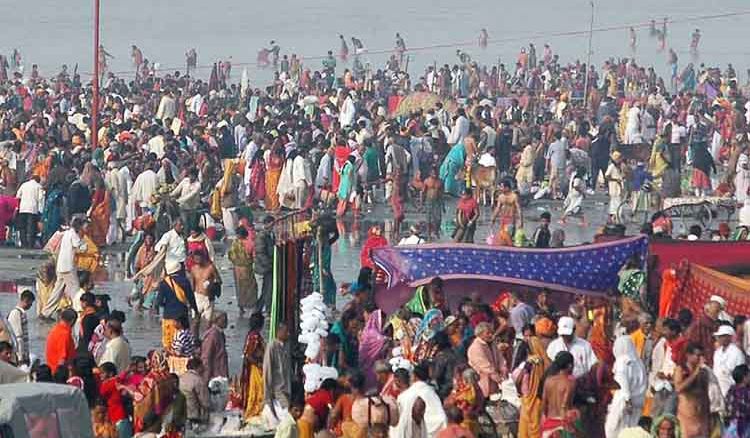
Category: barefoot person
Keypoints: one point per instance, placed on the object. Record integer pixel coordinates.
(432, 192)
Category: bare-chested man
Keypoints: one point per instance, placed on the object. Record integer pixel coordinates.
(206, 285)
(432, 193)
(557, 396)
(508, 209)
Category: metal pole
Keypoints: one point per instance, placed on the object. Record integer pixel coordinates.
(588, 62)
(95, 82)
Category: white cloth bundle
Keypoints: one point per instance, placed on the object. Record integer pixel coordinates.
(313, 324)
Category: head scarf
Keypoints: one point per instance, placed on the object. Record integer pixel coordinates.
(431, 324)
(659, 420)
(417, 304)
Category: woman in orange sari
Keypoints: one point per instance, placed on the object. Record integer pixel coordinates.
(274, 164)
(100, 213)
(528, 377)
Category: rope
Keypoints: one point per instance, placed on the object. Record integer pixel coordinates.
(490, 41)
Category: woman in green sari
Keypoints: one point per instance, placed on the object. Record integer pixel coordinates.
(326, 234)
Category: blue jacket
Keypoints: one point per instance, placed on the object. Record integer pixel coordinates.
(166, 298)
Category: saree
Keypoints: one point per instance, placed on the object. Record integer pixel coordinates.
(251, 380)
(348, 346)
(450, 168)
(529, 425)
(273, 174)
(322, 277)
(88, 260)
(257, 182)
(148, 283)
(244, 279)
(371, 343)
(100, 216)
(568, 427)
(150, 398)
(52, 216)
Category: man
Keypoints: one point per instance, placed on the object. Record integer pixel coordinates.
(19, 324)
(31, 196)
(195, 390)
(277, 373)
(117, 184)
(432, 193)
(542, 235)
(89, 318)
(727, 357)
(264, 247)
(8, 372)
(173, 243)
(420, 408)
(187, 194)
(144, 187)
(214, 348)
(486, 360)
(117, 349)
(454, 428)
(60, 345)
(206, 285)
(583, 355)
(67, 276)
(556, 158)
(702, 329)
(557, 395)
(167, 107)
(176, 297)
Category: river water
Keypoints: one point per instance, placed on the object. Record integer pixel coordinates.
(50, 32)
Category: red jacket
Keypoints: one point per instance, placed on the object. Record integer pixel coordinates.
(111, 394)
(60, 345)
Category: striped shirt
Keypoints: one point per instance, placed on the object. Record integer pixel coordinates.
(19, 325)
(183, 343)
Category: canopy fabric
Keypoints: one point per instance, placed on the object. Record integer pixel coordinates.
(696, 284)
(30, 407)
(579, 269)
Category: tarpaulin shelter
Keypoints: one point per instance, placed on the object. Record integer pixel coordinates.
(586, 269)
(690, 286)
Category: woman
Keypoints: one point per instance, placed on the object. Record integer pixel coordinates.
(666, 426)
(374, 240)
(347, 192)
(424, 347)
(627, 402)
(467, 214)
(197, 242)
(251, 380)
(45, 283)
(52, 217)
(468, 397)
(88, 260)
(244, 278)
(371, 346)
(145, 287)
(326, 234)
(274, 163)
(703, 165)
(738, 405)
(691, 384)
(100, 213)
(256, 183)
(450, 170)
(347, 329)
(151, 397)
(528, 377)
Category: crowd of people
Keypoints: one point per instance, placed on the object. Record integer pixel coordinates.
(186, 164)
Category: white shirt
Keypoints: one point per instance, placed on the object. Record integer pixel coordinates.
(117, 351)
(434, 416)
(175, 246)
(460, 130)
(69, 243)
(144, 187)
(156, 145)
(583, 355)
(31, 195)
(411, 240)
(726, 359)
(188, 193)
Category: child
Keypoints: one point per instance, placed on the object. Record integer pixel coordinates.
(542, 234)
(288, 426)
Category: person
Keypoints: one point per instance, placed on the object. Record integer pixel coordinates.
(467, 215)
(580, 349)
(173, 244)
(99, 213)
(145, 287)
(508, 210)
(486, 360)
(242, 260)
(66, 283)
(264, 249)
(666, 426)
(432, 193)
(615, 178)
(691, 382)
(422, 402)
(183, 342)
(277, 374)
(187, 194)
(414, 238)
(117, 349)
(176, 297)
(18, 323)
(555, 163)
(559, 415)
(109, 392)
(630, 375)
(542, 234)
(214, 349)
(60, 345)
(574, 200)
(101, 424)
(206, 284)
(8, 371)
(372, 344)
(251, 379)
(198, 242)
(738, 403)
(454, 429)
(326, 234)
(194, 388)
(31, 197)
(450, 168)
(444, 364)
(727, 357)
(170, 413)
(287, 427)
(529, 376)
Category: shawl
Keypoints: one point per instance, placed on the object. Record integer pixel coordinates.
(371, 340)
(431, 324)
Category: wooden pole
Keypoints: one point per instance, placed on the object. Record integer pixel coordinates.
(95, 82)
(588, 63)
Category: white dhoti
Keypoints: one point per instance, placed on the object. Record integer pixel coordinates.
(205, 311)
(65, 285)
(230, 222)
